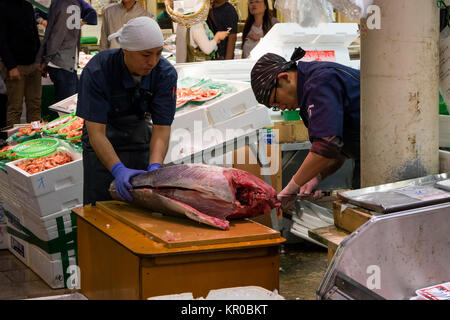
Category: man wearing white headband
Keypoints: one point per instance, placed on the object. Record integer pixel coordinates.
(119, 90)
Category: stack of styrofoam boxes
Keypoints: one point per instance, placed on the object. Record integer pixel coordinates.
(3, 232)
(44, 198)
(444, 142)
(283, 38)
(198, 127)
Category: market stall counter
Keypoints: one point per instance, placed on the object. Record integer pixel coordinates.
(123, 256)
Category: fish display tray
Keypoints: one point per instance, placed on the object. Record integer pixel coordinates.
(65, 106)
(175, 232)
(398, 196)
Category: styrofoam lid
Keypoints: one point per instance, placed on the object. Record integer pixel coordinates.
(286, 35)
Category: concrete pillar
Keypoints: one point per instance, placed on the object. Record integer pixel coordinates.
(400, 93)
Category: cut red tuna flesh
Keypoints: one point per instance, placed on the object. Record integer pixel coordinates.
(204, 191)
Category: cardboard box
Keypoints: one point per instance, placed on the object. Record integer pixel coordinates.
(291, 131)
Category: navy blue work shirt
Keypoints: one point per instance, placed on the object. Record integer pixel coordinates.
(329, 100)
(107, 87)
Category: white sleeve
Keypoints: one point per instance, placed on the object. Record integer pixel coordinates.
(198, 35)
(180, 42)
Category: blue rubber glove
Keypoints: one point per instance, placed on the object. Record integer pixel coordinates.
(123, 175)
(154, 166)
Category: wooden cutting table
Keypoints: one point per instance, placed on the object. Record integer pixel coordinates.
(126, 252)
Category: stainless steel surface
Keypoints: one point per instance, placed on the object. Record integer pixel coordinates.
(391, 198)
(308, 216)
(405, 251)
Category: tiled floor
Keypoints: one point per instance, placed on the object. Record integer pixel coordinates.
(17, 281)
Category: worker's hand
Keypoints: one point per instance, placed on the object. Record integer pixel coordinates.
(123, 175)
(153, 166)
(221, 35)
(44, 23)
(288, 196)
(42, 68)
(310, 188)
(14, 74)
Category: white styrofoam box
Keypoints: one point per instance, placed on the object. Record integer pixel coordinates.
(283, 38)
(444, 131)
(56, 201)
(189, 116)
(48, 181)
(231, 105)
(177, 296)
(243, 293)
(65, 106)
(51, 271)
(7, 193)
(19, 248)
(3, 236)
(45, 229)
(444, 161)
(183, 143)
(70, 296)
(236, 69)
(253, 120)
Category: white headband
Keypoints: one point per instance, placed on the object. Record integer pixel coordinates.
(138, 34)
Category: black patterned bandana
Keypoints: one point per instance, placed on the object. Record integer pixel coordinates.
(266, 70)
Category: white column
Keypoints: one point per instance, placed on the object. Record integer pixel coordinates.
(399, 93)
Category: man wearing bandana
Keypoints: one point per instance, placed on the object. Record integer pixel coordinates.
(328, 95)
(119, 90)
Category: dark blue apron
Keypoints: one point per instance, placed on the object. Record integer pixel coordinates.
(129, 132)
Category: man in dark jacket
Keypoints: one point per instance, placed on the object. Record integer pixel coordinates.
(61, 45)
(328, 96)
(19, 44)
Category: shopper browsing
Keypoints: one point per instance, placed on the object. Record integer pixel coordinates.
(114, 17)
(259, 22)
(196, 42)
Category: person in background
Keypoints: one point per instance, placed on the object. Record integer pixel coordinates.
(197, 43)
(88, 15)
(328, 95)
(118, 87)
(114, 17)
(61, 46)
(223, 17)
(164, 20)
(19, 44)
(259, 22)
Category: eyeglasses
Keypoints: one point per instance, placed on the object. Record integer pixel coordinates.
(275, 105)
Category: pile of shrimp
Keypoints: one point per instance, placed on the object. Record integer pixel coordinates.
(37, 165)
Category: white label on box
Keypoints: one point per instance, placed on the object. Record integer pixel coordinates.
(17, 247)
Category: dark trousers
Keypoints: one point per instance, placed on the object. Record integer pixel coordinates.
(3, 100)
(66, 83)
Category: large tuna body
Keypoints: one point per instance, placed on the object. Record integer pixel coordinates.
(207, 194)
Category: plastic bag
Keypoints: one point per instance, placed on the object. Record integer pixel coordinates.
(353, 9)
(313, 12)
(285, 8)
